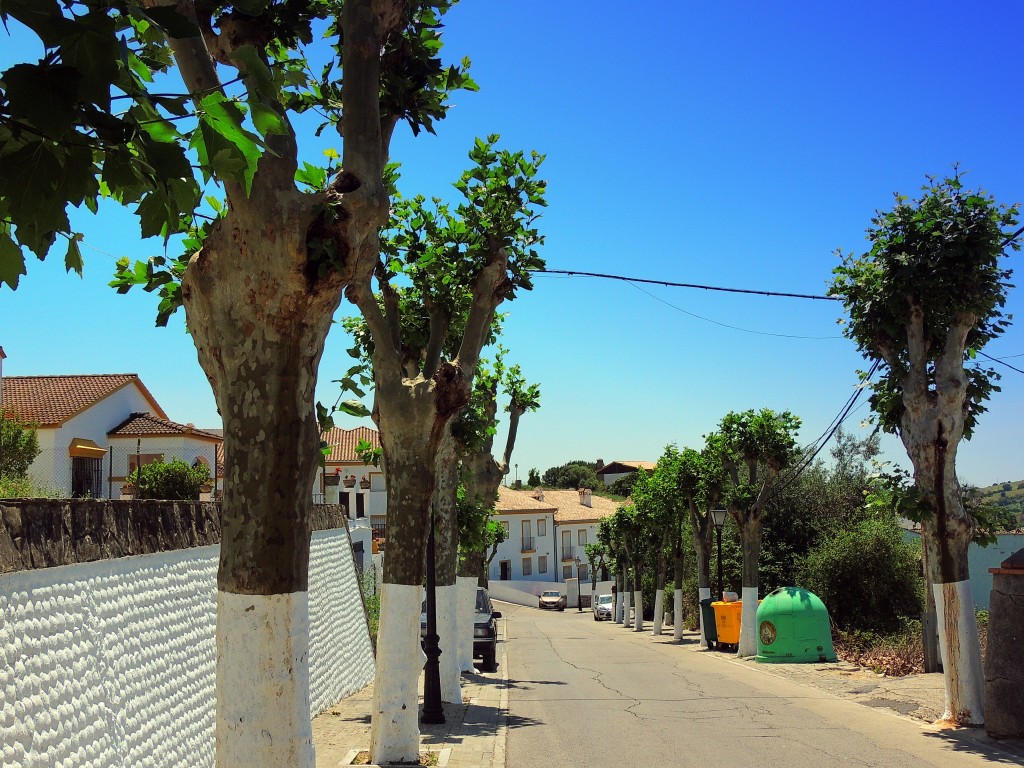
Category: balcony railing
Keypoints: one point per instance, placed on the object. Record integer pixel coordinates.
(529, 544)
(568, 553)
(379, 530)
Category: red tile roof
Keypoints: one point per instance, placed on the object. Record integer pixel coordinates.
(147, 425)
(566, 505)
(49, 401)
(343, 443)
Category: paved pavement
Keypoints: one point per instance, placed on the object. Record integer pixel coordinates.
(474, 735)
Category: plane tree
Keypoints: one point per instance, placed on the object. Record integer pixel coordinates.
(185, 112)
(700, 483)
(428, 306)
(755, 447)
(658, 505)
(923, 302)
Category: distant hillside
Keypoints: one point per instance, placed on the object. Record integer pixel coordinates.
(1009, 494)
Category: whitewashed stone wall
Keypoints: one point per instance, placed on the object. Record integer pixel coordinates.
(111, 663)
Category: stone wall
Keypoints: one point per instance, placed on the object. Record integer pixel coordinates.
(107, 631)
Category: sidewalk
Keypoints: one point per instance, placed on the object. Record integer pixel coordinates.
(473, 735)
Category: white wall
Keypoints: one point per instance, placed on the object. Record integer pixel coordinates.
(526, 592)
(112, 663)
(511, 548)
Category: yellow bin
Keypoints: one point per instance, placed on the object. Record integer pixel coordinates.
(727, 621)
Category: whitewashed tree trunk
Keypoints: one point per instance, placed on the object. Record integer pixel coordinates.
(627, 621)
(748, 623)
(394, 724)
(750, 534)
(263, 680)
(961, 652)
(450, 667)
(677, 614)
(466, 614)
(659, 611)
(703, 593)
(638, 611)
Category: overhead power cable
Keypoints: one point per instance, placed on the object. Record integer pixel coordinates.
(1001, 362)
(670, 284)
(812, 450)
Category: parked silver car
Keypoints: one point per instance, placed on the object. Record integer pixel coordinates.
(603, 606)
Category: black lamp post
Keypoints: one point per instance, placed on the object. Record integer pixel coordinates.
(718, 516)
(433, 709)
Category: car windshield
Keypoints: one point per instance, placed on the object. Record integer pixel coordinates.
(482, 603)
(602, 599)
(551, 593)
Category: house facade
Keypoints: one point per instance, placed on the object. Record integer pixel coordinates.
(547, 530)
(615, 470)
(345, 479)
(94, 429)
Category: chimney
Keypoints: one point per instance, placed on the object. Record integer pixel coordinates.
(539, 494)
(586, 499)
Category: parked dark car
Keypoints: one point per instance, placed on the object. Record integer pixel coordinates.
(551, 598)
(485, 630)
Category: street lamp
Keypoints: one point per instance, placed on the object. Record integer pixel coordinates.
(718, 516)
(433, 709)
(579, 594)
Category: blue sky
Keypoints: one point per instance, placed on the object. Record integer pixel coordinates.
(718, 143)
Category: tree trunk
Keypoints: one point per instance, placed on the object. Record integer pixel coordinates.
(446, 561)
(659, 594)
(620, 591)
(701, 538)
(947, 536)
(260, 348)
(677, 594)
(638, 598)
(750, 537)
(410, 440)
(627, 597)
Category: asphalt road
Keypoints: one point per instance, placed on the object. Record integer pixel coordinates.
(594, 694)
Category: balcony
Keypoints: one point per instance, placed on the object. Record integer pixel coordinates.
(529, 544)
(568, 553)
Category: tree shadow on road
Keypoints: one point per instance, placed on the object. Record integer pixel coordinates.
(975, 741)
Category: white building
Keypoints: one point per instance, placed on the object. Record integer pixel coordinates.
(94, 429)
(359, 487)
(616, 470)
(547, 530)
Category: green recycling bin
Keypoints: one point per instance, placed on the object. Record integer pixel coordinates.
(707, 615)
(793, 626)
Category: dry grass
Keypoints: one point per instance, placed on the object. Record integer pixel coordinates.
(426, 758)
(893, 655)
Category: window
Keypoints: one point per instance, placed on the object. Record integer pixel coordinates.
(542, 527)
(528, 545)
(86, 478)
(542, 564)
(582, 534)
(527, 566)
(584, 572)
(504, 524)
(566, 571)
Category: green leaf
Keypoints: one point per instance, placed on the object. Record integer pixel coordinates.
(353, 408)
(232, 150)
(12, 261)
(94, 53)
(267, 120)
(311, 175)
(73, 258)
(43, 95)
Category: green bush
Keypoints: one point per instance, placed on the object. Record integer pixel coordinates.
(867, 576)
(170, 480)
